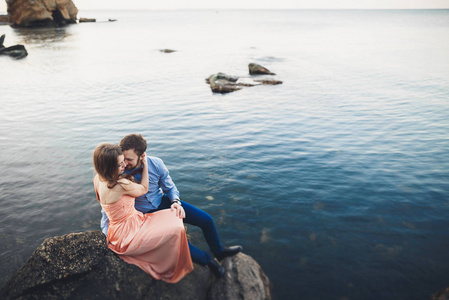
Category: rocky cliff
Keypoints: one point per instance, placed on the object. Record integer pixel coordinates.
(32, 13)
(80, 266)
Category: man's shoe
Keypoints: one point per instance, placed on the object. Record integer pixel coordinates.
(216, 268)
(229, 251)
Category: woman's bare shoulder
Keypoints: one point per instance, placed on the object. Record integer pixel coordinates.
(124, 180)
(124, 184)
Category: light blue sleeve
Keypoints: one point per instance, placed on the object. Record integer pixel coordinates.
(165, 181)
(104, 224)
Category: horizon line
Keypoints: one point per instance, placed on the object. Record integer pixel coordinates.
(219, 9)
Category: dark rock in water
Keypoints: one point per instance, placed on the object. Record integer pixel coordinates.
(80, 266)
(16, 51)
(256, 283)
(167, 50)
(86, 20)
(223, 83)
(268, 81)
(223, 76)
(35, 13)
(255, 69)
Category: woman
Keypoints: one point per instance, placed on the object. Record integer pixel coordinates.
(155, 242)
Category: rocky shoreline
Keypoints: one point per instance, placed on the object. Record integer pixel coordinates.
(80, 266)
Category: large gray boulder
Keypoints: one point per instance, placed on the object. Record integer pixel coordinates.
(80, 266)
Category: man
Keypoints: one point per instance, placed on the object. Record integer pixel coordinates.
(163, 194)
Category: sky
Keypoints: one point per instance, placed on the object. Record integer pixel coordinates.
(255, 4)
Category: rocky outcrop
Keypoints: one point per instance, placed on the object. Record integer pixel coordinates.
(223, 83)
(80, 266)
(16, 51)
(32, 13)
(255, 69)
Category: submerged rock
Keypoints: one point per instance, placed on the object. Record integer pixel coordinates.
(80, 266)
(167, 50)
(34, 13)
(224, 83)
(268, 81)
(255, 69)
(16, 51)
(222, 76)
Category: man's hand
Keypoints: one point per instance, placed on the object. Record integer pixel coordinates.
(179, 210)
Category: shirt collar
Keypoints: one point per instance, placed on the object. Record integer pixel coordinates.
(135, 171)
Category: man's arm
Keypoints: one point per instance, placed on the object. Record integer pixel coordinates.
(165, 181)
(169, 188)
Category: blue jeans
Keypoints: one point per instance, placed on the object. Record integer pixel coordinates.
(197, 217)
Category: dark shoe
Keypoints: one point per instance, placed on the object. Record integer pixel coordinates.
(229, 251)
(216, 268)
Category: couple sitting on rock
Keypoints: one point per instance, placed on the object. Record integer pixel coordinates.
(142, 215)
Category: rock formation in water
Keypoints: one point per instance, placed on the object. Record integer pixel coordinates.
(87, 20)
(223, 83)
(255, 69)
(80, 266)
(16, 51)
(32, 13)
(167, 50)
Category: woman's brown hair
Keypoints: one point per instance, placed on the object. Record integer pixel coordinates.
(105, 163)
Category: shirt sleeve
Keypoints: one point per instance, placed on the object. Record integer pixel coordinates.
(165, 181)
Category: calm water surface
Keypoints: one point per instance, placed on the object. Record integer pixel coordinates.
(336, 181)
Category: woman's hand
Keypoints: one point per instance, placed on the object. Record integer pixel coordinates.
(180, 213)
(145, 180)
(143, 158)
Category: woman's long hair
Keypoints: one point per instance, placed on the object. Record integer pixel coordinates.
(105, 163)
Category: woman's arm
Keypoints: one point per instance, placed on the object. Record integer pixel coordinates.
(131, 188)
(145, 179)
(137, 189)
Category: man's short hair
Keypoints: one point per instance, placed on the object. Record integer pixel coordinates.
(134, 141)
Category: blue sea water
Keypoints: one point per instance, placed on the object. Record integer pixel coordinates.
(336, 181)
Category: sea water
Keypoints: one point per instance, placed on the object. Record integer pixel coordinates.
(336, 181)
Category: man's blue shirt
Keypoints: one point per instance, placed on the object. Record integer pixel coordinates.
(160, 183)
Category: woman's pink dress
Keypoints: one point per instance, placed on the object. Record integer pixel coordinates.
(155, 242)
